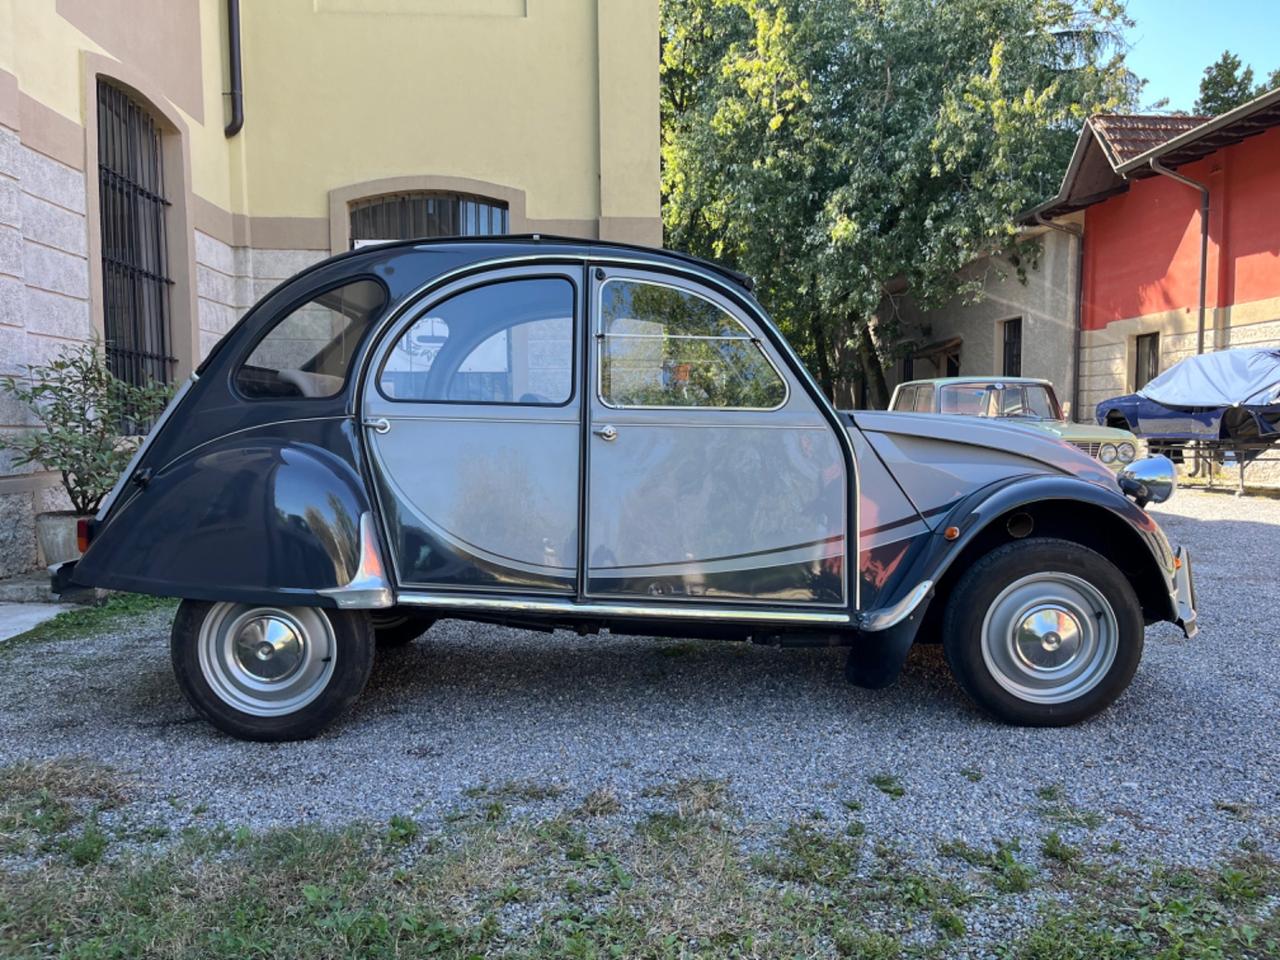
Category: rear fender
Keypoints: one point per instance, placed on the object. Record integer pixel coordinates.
(271, 514)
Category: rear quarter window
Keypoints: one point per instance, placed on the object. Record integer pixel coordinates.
(307, 352)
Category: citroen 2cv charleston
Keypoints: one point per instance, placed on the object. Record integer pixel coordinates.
(550, 433)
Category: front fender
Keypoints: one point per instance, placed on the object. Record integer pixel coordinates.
(254, 517)
(1150, 558)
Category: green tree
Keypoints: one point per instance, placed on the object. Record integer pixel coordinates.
(1225, 85)
(837, 149)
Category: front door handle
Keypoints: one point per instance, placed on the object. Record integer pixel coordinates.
(380, 425)
(607, 432)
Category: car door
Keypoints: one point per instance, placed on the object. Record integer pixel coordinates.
(472, 409)
(712, 474)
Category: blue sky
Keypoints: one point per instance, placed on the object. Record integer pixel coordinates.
(1174, 40)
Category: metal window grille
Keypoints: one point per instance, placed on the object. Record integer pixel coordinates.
(1013, 348)
(406, 216)
(135, 279)
(1147, 348)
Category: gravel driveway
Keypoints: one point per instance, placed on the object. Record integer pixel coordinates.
(1183, 768)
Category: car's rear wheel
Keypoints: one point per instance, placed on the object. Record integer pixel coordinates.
(270, 673)
(392, 628)
(1043, 632)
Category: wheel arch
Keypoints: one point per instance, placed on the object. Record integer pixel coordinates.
(1063, 508)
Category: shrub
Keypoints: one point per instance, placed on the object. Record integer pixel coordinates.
(85, 413)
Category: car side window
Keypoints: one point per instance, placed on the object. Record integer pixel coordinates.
(906, 399)
(924, 400)
(508, 342)
(308, 351)
(661, 346)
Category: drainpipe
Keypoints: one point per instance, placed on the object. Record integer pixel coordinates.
(1204, 236)
(233, 50)
(1075, 231)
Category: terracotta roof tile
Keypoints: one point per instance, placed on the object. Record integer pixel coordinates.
(1126, 136)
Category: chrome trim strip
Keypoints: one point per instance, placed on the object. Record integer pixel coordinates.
(887, 617)
(619, 610)
(368, 588)
(1183, 595)
(105, 507)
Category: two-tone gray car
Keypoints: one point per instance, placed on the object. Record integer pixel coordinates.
(549, 433)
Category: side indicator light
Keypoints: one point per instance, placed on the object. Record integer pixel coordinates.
(951, 533)
(1177, 563)
(83, 533)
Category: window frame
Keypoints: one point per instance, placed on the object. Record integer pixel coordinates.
(287, 311)
(600, 336)
(896, 405)
(924, 391)
(1007, 345)
(1140, 341)
(402, 330)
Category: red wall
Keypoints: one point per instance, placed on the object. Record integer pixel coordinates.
(1142, 248)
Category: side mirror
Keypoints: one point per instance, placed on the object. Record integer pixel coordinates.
(1151, 480)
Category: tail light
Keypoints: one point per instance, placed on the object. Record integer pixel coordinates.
(84, 533)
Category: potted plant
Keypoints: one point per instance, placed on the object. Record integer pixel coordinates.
(89, 424)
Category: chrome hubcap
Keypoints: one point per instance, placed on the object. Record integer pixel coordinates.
(266, 661)
(1049, 637)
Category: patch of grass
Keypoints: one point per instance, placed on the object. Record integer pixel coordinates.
(402, 830)
(865, 945)
(600, 802)
(1240, 811)
(810, 856)
(89, 846)
(949, 922)
(1008, 874)
(88, 620)
(971, 774)
(1054, 807)
(1053, 847)
(693, 795)
(40, 803)
(516, 791)
(888, 784)
(682, 648)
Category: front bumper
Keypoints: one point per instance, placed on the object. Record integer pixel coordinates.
(1184, 593)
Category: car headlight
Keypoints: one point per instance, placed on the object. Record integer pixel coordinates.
(1126, 452)
(1108, 453)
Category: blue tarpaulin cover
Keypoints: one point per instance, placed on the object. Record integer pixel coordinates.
(1226, 378)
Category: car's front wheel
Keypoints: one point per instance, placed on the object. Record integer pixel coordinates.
(1043, 632)
(270, 673)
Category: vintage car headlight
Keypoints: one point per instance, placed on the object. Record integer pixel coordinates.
(1126, 452)
(1107, 453)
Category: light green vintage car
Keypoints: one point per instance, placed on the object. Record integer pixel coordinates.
(1028, 401)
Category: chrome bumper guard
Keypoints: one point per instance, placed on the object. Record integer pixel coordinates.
(1184, 594)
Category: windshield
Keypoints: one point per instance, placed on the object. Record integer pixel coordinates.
(1026, 401)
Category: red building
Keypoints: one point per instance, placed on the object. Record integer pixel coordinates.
(1160, 279)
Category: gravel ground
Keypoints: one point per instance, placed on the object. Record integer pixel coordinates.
(1182, 769)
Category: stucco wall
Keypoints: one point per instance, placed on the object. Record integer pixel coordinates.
(548, 105)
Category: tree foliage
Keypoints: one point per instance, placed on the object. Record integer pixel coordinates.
(1227, 84)
(837, 149)
(84, 409)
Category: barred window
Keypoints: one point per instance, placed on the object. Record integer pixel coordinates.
(135, 276)
(405, 216)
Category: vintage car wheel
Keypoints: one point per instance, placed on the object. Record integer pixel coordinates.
(1043, 632)
(267, 672)
(393, 629)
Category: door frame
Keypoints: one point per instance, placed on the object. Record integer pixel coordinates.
(557, 610)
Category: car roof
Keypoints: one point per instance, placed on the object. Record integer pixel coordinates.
(521, 243)
(944, 381)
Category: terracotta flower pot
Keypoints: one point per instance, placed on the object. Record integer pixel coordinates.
(56, 536)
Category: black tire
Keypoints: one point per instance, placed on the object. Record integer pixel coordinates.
(986, 581)
(347, 668)
(393, 629)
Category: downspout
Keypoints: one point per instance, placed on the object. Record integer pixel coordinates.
(1078, 233)
(233, 52)
(1204, 237)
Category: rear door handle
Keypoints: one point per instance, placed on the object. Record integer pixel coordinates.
(608, 432)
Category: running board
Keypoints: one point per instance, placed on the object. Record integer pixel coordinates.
(621, 611)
